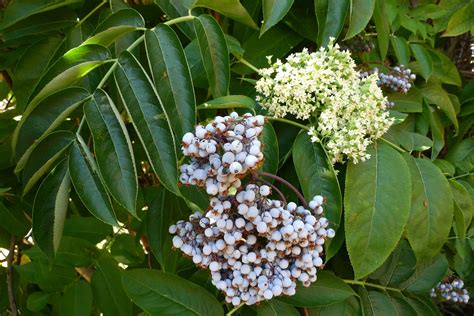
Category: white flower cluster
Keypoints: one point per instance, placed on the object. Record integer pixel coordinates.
(222, 152)
(256, 248)
(451, 291)
(349, 111)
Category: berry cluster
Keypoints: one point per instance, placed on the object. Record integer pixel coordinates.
(451, 291)
(255, 247)
(222, 152)
(399, 79)
(359, 44)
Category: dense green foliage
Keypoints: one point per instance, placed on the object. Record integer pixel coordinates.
(97, 96)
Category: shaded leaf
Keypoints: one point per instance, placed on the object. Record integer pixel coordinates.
(273, 12)
(327, 290)
(89, 187)
(376, 303)
(461, 21)
(43, 156)
(161, 293)
(330, 16)
(230, 8)
(150, 119)
(113, 150)
(172, 77)
(276, 308)
(77, 300)
(424, 60)
(426, 275)
(107, 289)
(360, 14)
(214, 54)
(49, 209)
(317, 177)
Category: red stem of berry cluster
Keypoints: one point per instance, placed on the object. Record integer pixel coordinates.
(286, 183)
(282, 196)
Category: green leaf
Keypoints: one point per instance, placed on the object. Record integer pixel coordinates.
(164, 210)
(327, 290)
(77, 300)
(398, 267)
(463, 208)
(317, 177)
(421, 307)
(270, 149)
(37, 301)
(19, 10)
(407, 103)
(401, 49)
(230, 102)
(277, 41)
(376, 303)
(424, 60)
(161, 293)
(176, 9)
(230, 8)
(43, 156)
(435, 94)
(150, 119)
(113, 150)
(40, 24)
(66, 79)
(276, 308)
(414, 141)
(107, 288)
(437, 132)
(75, 252)
(426, 275)
(462, 155)
(13, 220)
(376, 210)
(361, 12)
(444, 69)
(349, 307)
(461, 21)
(330, 16)
(172, 77)
(273, 12)
(402, 306)
(30, 67)
(44, 118)
(87, 228)
(49, 209)
(71, 58)
(214, 54)
(127, 249)
(431, 209)
(88, 186)
(382, 27)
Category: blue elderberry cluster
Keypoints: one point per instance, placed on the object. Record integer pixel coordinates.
(358, 44)
(399, 79)
(451, 291)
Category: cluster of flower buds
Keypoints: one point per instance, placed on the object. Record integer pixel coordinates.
(451, 291)
(399, 79)
(358, 44)
(256, 248)
(222, 152)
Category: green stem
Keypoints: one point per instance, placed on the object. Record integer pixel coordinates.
(378, 286)
(462, 176)
(180, 19)
(246, 63)
(393, 145)
(235, 309)
(91, 13)
(288, 122)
